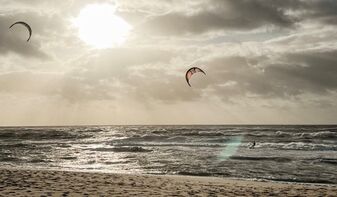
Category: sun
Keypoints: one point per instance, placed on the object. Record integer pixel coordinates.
(99, 27)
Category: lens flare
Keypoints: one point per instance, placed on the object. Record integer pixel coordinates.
(231, 148)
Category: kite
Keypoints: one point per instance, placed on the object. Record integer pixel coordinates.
(252, 145)
(190, 72)
(26, 25)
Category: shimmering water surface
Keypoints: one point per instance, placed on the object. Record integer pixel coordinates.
(282, 153)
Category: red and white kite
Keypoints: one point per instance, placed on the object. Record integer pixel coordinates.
(190, 72)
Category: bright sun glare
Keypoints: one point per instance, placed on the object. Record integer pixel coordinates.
(100, 27)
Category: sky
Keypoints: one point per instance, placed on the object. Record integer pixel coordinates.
(266, 62)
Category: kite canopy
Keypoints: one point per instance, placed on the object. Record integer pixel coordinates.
(190, 72)
(26, 25)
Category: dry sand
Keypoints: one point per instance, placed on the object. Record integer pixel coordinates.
(61, 183)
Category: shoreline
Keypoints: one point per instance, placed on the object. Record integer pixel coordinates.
(41, 182)
(169, 175)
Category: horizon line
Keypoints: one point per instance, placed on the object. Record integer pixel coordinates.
(102, 125)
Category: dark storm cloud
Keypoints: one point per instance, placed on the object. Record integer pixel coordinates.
(241, 15)
(236, 77)
(322, 10)
(223, 15)
(298, 73)
(308, 71)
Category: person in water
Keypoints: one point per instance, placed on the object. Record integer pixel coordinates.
(252, 145)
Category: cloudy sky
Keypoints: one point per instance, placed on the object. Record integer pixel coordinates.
(267, 62)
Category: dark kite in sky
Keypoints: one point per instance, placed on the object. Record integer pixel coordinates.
(26, 25)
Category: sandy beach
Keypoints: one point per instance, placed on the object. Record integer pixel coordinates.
(15, 182)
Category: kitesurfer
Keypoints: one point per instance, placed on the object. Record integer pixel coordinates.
(252, 145)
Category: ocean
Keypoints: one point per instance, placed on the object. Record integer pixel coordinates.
(301, 153)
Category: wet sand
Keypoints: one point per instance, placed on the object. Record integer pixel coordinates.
(62, 183)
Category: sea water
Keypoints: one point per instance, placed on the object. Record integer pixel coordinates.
(282, 153)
